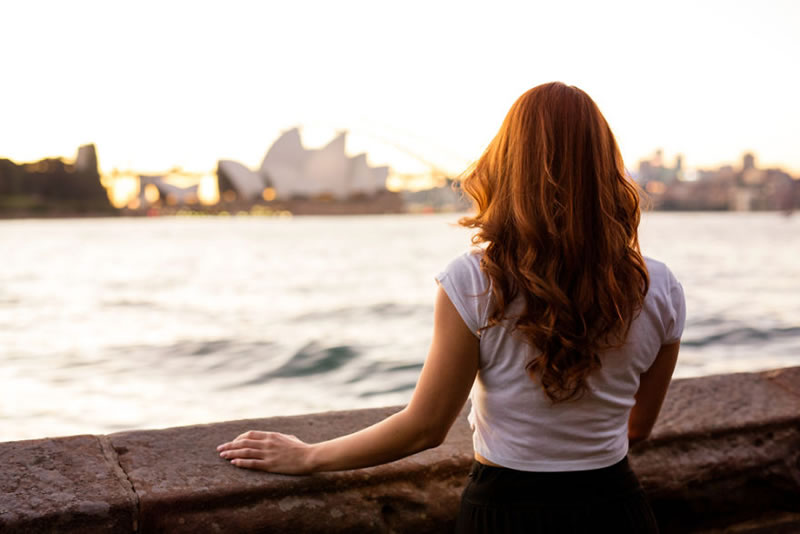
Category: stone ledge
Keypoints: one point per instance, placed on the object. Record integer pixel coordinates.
(64, 485)
(183, 485)
(724, 455)
(726, 450)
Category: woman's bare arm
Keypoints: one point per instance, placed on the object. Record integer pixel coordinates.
(653, 387)
(441, 391)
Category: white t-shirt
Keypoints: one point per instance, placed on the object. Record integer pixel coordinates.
(514, 423)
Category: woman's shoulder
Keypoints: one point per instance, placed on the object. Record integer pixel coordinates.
(466, 264)
(466, 286)
(666, 296)
(661, 277)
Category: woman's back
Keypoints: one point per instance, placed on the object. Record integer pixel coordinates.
(515, 424)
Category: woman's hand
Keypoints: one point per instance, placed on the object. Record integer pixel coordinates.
(268, 451)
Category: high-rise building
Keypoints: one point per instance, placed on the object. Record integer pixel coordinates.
(748, 161)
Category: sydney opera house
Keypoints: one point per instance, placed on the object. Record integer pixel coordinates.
(291, 171)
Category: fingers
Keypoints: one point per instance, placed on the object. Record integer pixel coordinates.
(242, 444)
(249, 436)
(253, 434)
(249, 464)
(252, 445)
(243, 453)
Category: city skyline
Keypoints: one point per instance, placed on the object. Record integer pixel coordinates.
(157, 86)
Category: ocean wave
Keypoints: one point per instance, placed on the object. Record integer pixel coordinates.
(380, 368)
(382, 309)
(311, 359)
(231, 349)
(408, 386)
(743, 335)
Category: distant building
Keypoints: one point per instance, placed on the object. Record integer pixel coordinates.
(748, 161)
(445, 198)
(86, 160)
(748, 188)
(53, 186)
(289, 170)
(654, 170)
(170, 194)
(750, 175)
(235, 181)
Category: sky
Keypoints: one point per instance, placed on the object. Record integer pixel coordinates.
(159, 84)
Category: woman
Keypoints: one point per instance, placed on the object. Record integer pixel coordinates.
(569, 335)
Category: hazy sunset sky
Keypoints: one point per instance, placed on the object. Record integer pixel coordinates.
(172, 83)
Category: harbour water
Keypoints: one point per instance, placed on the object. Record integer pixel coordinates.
(112, 324)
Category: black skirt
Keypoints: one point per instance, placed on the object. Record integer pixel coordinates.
(500, 500)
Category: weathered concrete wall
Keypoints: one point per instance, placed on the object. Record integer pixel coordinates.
(69, 484)
(724, 455)
(726, 449)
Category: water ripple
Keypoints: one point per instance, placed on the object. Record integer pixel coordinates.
(309, 360)
(743, 335)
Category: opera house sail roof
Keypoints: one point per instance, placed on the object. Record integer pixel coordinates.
(232, 175)
(291, 171)
(173, 194)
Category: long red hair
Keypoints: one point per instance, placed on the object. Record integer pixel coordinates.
(559, 219)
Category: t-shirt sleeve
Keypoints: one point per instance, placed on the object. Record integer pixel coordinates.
(675, 314)
(466, 286)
